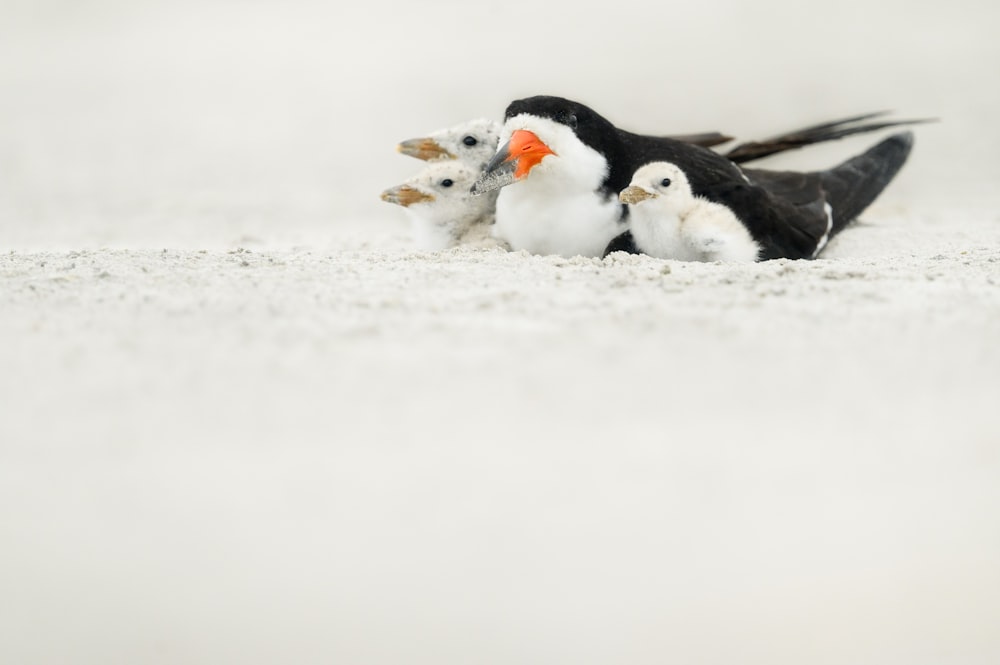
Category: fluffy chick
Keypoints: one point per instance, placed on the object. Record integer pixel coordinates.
(443, 211)
(473, 143)
(669, 222)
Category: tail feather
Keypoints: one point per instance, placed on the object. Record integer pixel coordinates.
(827, 131)
(853, 185)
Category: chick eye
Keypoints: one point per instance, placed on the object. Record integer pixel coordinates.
(665, 182)
(470, 141)
(447, 182)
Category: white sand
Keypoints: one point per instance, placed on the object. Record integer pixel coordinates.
(362, 455)
(241, 423)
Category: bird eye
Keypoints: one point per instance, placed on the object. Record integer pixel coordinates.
(470, 141)
(447, 182)
(665, 182)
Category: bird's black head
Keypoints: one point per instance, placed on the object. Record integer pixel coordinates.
(525, 149)
(588, 125)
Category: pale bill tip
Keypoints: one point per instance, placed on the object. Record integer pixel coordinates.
(501, 176)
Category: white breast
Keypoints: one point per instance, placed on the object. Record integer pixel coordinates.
(565, 223)
(558, 208)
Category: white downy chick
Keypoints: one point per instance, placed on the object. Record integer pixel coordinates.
(669, 222)
(443, 210)
(473, 143)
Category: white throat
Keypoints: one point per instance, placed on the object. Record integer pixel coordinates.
(559, 207)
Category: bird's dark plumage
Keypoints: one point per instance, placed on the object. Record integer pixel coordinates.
(786, 212)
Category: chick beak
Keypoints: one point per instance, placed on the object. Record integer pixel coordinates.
(405, 196)
(633, 195)
(426, 149)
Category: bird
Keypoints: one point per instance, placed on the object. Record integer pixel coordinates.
(443, 211)
(570, 163)
(473, 142)
(669, 222)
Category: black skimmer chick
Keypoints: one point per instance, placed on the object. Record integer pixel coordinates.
(669, 222)
(570, 163)
(443, 211)
(473, 143)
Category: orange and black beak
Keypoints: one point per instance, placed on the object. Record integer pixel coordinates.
(513, 161)
(405, 196)
(426, 149)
